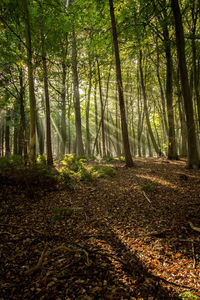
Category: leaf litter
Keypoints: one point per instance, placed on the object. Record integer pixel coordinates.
(125, 237)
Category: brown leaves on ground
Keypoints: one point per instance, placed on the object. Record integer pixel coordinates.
(127, 237)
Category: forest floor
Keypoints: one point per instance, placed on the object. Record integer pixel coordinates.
(126, 237)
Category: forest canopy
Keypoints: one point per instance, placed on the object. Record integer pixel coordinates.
(105, 78)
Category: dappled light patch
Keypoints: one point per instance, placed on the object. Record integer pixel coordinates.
(159, 180)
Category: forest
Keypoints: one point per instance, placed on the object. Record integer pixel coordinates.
(100, 149)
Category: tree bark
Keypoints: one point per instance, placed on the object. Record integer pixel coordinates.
(172, 151)
(7, 133)
(127, 152)
(88, 146)
(32, 101)
(102, 113)
(46, 90)
(193, 156)
(22, 134)
(63, 110)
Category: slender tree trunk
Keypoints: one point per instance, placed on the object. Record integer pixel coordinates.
(102, 113)
(32, 101)
(16, 128)
(140, 115)
(96, 116)
(127, 152)
(107, 112)
(79, 140)
(149, 144)
(183, 152)
(7, 133)
(63, 110)
(22, 135)
(88, 146)
(117, 126)
(194, 59)
(40, 134)
(69, 105)
(193, 156)
(158, 151)
(161, 89)
(172, 151)
(46, 89)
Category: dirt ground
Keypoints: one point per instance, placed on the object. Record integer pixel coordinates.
(126, 237)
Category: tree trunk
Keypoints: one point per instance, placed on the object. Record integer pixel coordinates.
(63, 110)
(96, 116)
(102, 113)
(79, 140)
(127, 152)
(7, 133)
(32, 101)
(172, 151)
(194, 58)
(193, 157)
(22, 134)
(117, 127)
(40, 134)
(161, 89)
(46, 89)
(88, 147)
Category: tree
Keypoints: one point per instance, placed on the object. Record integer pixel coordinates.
(32, 101)
(46, 90)
(127, 152)
(193, 156)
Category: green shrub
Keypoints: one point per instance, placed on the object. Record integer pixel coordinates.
(103, 171)
(74, 168)
(73, 162)
(85, 175)
(12, 161)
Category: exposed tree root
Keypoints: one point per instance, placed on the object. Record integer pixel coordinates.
(193, 227)
(39, 264)
(46, 253)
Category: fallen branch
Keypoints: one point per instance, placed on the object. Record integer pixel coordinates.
(193, 227)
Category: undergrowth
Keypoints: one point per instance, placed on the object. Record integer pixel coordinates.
(73, 169)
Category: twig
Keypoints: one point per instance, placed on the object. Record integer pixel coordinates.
(146, 197)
